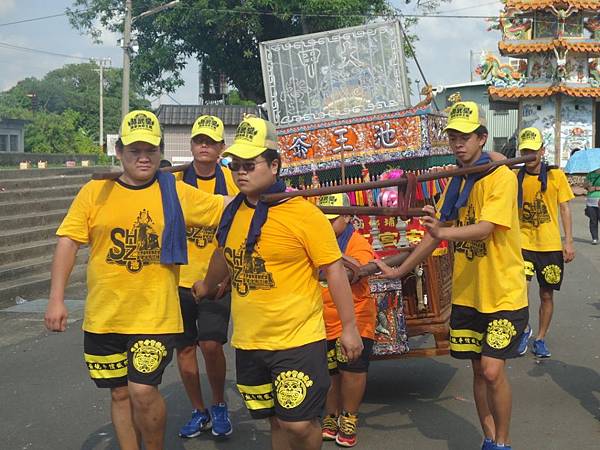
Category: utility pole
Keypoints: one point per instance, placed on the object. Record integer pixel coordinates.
(126, 44)
(102, 63)
(126, 60)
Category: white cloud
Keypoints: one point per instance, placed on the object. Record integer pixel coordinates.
(445, 44)
(7, 6)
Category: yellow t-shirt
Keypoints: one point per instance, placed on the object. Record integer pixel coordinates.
(276, 296)
(129, 291)
(540, 229)
(489, 275)
(201, 242)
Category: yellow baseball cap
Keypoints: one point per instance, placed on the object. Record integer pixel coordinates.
(465, 117)
(210, 126)
(140, 126)
(341, 199)
(530, 139)
(252, 137)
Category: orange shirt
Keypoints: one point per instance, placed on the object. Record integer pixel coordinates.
(365, 309)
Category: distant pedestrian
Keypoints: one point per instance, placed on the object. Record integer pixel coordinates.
(544, 194)
(592, 202)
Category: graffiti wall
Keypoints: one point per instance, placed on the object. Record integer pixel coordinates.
(576, 129)
(541, 113)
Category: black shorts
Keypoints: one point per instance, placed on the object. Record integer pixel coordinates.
(290, 384)
(112, 358)
(548, 267)
(474, 334)
(204, 321)
(336, 361)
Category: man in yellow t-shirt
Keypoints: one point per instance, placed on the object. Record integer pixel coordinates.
(205, 324)
(543, 193)
(135, 228)
(489, 295)
(273, 253)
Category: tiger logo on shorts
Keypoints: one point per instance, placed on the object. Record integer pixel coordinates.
(147, 355)
(291, 387)
(499, 333)
(551, 274)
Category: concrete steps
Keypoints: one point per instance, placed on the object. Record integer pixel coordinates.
(32, 204)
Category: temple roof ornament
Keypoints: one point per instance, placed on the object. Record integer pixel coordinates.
(521, 48)
(532, 92)
(564, 5)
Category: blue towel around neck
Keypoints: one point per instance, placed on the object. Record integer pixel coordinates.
(542, 177)
(258, 218)
(190, 177)
(174, 246)
(344, 238)
(455, 197)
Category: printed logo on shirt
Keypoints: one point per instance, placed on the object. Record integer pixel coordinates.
(535, 213)
(200, 236)
(471, 249)
(248, 272)
(136, 247)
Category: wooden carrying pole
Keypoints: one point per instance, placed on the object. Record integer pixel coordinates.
(115, 175)
(270, 198)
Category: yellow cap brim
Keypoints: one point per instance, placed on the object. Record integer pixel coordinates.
(332, 216)
(244, 151)
(530, 145)
(462, 125)
(208, 132)
(141, 136)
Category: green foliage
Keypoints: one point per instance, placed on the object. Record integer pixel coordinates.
(233, 98)
(224, 34)
(57, 133)
(68, 97)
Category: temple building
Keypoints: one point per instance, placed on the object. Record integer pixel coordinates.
(556, 79)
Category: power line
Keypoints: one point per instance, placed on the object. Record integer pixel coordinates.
(35, 50)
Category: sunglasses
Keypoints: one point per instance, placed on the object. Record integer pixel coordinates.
(248, 166)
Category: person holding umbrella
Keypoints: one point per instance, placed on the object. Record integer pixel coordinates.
(587, 161)
(592, 202)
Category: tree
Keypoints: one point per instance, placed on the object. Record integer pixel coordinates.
(75, 88)
(57, 133)
(224, 34)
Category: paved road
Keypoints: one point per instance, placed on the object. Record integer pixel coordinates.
(47, 401)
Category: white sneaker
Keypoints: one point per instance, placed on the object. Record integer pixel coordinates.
(594, 241)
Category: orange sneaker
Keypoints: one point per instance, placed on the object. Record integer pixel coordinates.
(329, 427)
(346, 436)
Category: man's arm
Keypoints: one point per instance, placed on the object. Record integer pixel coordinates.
(427, 245)
(339, 288)
(216, 274)
(567, 223)
(62, 265)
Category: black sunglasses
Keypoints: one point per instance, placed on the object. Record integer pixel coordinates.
(248, 166)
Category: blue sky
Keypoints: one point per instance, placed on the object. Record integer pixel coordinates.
(443, 49)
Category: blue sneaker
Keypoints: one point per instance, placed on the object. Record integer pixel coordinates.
(524, 340)
(221, 425)
(500, 447)
(488, 444)
(199, 422)
(540, 350)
